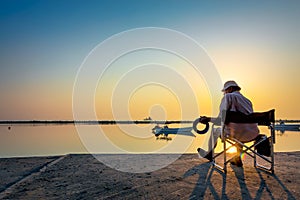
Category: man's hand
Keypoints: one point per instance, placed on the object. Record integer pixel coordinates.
(204, 119)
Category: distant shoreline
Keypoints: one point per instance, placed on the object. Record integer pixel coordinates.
(91, 122)
(103, 122)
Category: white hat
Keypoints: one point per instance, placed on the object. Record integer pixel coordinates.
(229, 84)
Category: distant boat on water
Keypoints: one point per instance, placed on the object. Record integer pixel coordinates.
(158, 130)
(148, 118)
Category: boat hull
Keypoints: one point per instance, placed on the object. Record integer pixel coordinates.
(175, 130)
(288, 127)
(166, 131)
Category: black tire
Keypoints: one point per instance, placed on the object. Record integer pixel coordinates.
(195, 123)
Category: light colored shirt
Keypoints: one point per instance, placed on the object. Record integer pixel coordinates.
(235, 101)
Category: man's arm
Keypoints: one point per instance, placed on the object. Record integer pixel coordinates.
(225, 103)
(214, 120)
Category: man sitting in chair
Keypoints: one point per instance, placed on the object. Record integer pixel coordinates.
(233, 100)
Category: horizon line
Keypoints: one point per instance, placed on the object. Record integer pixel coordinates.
(113, 121)
(94, 121)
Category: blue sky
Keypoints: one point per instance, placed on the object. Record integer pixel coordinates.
(43, 44)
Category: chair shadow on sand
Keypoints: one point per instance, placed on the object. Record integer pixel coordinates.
(205, 182)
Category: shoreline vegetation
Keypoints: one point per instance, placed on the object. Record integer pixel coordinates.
(103, 122)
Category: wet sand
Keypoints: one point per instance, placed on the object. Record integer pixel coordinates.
(189, 177)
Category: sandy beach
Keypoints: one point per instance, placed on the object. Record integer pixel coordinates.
(189, 177)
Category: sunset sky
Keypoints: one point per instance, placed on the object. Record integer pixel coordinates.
(44, 43)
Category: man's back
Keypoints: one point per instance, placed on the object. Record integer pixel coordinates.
(235, 101)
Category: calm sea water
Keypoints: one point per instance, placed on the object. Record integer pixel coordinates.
(41, 140)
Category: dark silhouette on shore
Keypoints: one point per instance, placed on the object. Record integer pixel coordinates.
(93, 122)
(113, 121)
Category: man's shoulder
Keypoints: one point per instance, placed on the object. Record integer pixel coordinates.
(235, 95)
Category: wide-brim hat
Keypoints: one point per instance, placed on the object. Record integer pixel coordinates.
(229, 84)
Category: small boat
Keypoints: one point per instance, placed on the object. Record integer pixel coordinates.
(157, 130)
(147, 119)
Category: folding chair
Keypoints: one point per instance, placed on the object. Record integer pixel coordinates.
(262, 119)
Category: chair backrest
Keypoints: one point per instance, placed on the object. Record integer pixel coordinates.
(261, 118)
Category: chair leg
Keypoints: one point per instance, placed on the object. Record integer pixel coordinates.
(225, 159)
(269, 160)
(272, 157)
(254, 159)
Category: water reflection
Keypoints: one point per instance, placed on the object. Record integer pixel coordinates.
(40, 140)
(281, 131)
